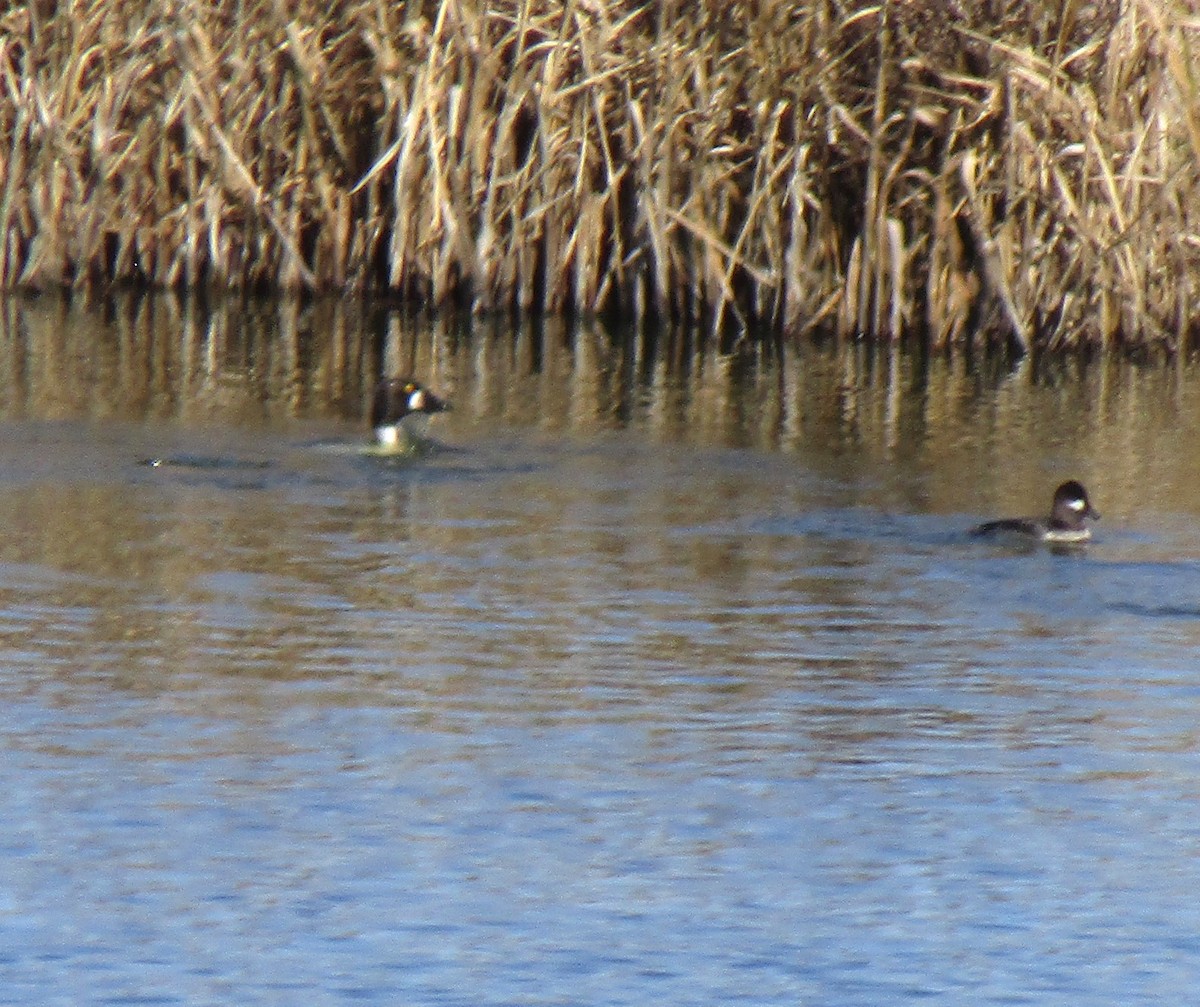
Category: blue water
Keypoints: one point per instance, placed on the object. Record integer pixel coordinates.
(609, 716)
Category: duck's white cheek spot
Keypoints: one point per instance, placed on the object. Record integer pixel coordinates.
(1076, 504)
(416, 401)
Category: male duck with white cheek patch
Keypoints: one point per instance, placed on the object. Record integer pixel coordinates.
(400, 413)
(1066, 525)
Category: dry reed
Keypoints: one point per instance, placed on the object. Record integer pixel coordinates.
(1021, 170)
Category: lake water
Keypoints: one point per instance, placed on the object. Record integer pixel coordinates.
(673, 678)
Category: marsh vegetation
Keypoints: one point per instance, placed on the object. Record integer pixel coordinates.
(1023, 172)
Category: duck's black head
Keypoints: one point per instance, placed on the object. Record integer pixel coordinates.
(396, 398)
(1071, 507)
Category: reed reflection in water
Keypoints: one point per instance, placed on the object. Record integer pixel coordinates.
(673, 678)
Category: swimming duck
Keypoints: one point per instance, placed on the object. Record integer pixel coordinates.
(400, 412)
(1069, 513)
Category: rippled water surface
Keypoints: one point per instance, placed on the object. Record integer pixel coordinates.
(657, 684)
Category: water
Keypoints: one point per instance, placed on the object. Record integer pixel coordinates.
(670, 681)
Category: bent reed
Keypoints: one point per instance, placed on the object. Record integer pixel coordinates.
(1025, 171)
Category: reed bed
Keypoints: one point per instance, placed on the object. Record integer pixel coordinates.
(1024, 171)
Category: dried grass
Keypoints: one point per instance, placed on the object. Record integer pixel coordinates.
(1019, 170)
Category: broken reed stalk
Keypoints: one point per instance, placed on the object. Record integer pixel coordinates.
(1029, 174)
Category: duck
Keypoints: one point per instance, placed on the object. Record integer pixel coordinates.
(400, 412)
(1067, 524)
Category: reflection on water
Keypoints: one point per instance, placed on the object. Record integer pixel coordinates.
(673, 678)
(980, 434)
